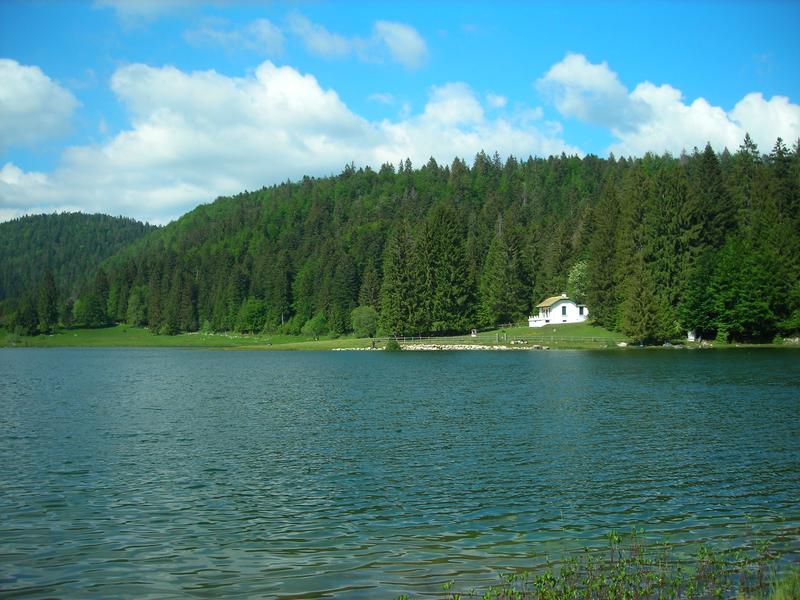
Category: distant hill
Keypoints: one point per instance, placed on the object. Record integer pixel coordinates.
(71, 245)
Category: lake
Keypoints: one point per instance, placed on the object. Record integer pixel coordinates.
(169, 472)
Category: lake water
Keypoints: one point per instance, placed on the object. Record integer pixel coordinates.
(167, 472)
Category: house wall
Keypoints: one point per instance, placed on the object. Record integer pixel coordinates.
(555, 315)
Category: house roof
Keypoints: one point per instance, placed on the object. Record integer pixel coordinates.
(550, 301)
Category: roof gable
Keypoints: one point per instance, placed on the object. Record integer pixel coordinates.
(552, 300)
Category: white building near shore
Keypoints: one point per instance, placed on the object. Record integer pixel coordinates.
(558, 309)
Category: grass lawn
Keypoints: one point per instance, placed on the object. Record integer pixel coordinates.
(125, 336)
(565, 336)
(574, 335)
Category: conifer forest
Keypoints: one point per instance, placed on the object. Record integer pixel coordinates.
(654, 246)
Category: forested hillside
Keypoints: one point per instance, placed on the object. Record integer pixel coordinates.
(654, 246)
(64, 247)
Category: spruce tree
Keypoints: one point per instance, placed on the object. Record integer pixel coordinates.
(602, 295)
(401, 296)
(502, 293)
(47, 306)
(645, 312)
(448, 293)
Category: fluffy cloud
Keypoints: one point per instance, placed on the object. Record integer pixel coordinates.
(133, 11)
(32, 106)
(194, 136)
(590, 93)
(381, 98)
(389, 40)
(495, 100)
(259, 36)
(317, 39)
(404, 44)
(655, 118)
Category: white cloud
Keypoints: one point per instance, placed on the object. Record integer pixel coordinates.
(130, 11)
(389, 40)
(33, 107)
(317, 39)
(453, 104)
(656, 118)
(767, 120)
(259, 36)
(495, 100)
(404, 43)
(381, 98)
(590, 93)
(194, 136)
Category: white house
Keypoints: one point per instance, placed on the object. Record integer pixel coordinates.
(558, 309)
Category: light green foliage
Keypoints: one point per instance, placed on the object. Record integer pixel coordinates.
(577, 281)
(365, 321)
(251, 316)
(392, 345)
(315, 326)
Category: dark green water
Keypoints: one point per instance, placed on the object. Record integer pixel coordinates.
(163, 473)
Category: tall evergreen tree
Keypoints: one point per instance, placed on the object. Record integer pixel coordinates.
(448, 294)
(502, 293)
(401, 295)
(47, 306)
(646, 314)
(602, 295)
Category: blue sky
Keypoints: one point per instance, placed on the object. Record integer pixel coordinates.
(148, 108)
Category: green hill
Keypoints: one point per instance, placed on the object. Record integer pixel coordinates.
(70, 245)
(654, 246)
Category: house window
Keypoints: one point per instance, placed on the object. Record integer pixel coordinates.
(580, 310)
(564, 311)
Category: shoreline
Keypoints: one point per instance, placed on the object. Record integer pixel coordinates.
(513, 339)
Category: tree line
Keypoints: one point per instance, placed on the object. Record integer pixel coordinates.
(655, 246)
(56, 250)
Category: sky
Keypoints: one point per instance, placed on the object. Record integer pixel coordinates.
(148, 108)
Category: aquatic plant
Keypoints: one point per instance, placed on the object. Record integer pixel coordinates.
(634, 570)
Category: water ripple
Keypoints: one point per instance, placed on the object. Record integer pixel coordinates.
(166, 473)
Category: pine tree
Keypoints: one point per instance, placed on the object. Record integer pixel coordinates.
(96, 302)
(696, 311)
(645, 312)
(448, 294)
(602, 295)
(502, 293)
(663, 226)
(739, 295)
(370, 292)
(709, 213)
(47, 306)
(631, 237)
(344, 292)
(401, 298)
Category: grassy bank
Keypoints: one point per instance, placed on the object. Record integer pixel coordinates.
(124, 336)
(637, 570)
(576, 335)
(565, 336)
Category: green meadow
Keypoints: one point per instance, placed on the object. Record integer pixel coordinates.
(576, 335)
(566, 336)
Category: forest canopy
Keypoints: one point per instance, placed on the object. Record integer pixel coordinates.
(655, 246)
